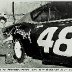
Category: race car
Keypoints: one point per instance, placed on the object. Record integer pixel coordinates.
(45, 34)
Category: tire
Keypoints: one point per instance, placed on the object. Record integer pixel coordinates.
(19, 53)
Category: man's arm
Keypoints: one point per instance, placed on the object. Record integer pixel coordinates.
(8, 39)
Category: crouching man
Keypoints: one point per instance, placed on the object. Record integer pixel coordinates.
(6, 45)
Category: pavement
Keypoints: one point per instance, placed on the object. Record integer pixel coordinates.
(28, 63)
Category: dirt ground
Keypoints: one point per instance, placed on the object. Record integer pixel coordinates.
(28, 63)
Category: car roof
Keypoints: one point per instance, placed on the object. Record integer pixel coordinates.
(64, 8)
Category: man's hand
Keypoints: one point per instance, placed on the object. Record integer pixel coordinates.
(8, 39)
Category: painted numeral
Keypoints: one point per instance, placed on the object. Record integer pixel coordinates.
(48, 43)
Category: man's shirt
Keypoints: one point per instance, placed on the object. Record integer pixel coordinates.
(6, 47)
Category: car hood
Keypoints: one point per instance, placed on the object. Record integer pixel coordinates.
(25, 18)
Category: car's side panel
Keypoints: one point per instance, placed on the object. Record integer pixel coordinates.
(35, 50)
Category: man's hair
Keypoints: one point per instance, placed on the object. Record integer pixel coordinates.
(3, 18)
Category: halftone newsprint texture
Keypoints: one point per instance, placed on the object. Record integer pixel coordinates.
(36, 36)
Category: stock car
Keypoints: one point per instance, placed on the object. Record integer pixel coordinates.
(45, 34)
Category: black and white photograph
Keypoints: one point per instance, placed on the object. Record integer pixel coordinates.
(36, 34)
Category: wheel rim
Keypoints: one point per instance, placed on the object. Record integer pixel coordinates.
(17, 49)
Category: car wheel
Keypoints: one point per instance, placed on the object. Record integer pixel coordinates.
(19, 53)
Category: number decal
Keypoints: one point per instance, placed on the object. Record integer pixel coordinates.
(48, 43)
(63, 40)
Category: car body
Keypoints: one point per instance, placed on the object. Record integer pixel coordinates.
(45, 33)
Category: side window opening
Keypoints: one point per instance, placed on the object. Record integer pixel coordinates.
(51, 12)
(45, 14)
(40, 15)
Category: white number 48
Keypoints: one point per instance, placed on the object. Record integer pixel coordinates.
(48, 43)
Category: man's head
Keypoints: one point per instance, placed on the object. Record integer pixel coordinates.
(3, 20)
